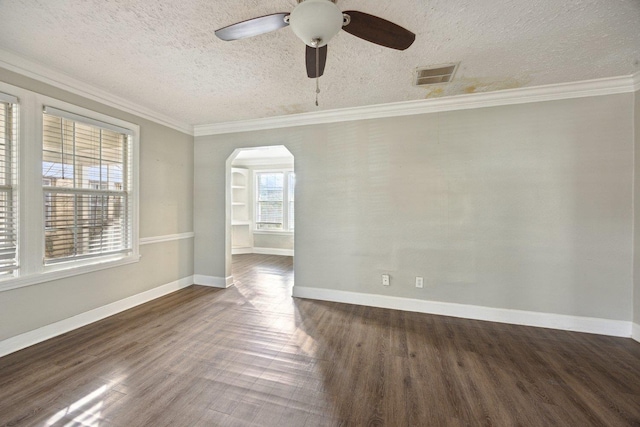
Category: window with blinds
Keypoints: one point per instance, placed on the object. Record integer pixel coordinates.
(86, 186)
(274, 201)
(8, 235)
(291, 192)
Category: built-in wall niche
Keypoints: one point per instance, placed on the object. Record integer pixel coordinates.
(241, 230)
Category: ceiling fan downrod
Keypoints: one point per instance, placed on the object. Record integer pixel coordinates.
(316, 42)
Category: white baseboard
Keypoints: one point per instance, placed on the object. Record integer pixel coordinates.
(213, 281)
(635, 331)
(262, 251)
(44, 333)
(273, 251)
(617, 328)
(241, 251)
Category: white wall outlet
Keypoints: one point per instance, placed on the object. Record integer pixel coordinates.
(419, 282)
(385, 280)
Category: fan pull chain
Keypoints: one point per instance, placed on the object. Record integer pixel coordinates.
(317, 74)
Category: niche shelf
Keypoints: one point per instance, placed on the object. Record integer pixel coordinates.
(241, 236)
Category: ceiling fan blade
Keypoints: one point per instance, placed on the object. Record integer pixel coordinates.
(253, 27)
(378, 30)
(311, 61)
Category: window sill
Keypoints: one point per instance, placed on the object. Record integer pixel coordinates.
(60, 272)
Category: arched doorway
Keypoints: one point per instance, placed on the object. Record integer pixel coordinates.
(260, 207)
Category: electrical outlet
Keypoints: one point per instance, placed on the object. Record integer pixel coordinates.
(419, 282)
(385, 280)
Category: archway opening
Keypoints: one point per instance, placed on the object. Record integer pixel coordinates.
(260, 206)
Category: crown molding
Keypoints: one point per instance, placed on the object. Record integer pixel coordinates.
(554, 92)
(28, 68)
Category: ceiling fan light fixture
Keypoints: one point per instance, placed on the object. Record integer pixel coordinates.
(315, 22)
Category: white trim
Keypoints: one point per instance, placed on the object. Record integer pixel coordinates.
(44, 333)
(241, 251)
(64, 271)
(212, 281)
(166, 238)
(273, 251)
(31, 211)
(617, 328)
(636, 81)
(25, 67)
(635, 331)
(635, 327)
(9, 99)
(606, 86)
(86, 120)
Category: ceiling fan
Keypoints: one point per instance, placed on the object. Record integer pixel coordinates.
(315, 22)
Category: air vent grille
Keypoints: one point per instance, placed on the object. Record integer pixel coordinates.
(434, 75)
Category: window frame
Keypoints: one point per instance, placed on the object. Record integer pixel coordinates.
(30, 193)
(10, 172)
(285, 202)
(82, 195)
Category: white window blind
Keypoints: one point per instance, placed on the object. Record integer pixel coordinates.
(274, 201)
(291, 192)
(86, 182)
(8, 239)
(86, 120)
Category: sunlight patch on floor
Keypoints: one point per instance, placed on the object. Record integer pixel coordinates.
(86, 417)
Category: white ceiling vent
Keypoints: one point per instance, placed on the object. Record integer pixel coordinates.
(434, 75)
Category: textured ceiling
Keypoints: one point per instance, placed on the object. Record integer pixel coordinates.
(163, 54)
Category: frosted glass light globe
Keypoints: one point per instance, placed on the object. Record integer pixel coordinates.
(316, 20)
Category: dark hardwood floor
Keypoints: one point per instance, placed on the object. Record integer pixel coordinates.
(251, 355)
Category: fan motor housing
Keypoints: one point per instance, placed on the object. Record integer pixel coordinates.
(315, 22)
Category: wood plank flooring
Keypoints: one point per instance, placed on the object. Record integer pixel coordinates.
(251, 355)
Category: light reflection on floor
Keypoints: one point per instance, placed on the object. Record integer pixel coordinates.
(76, 414)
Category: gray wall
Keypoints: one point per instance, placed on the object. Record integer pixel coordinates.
(166, 207)
(525, 207)
(273, 241)
(636, 229)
